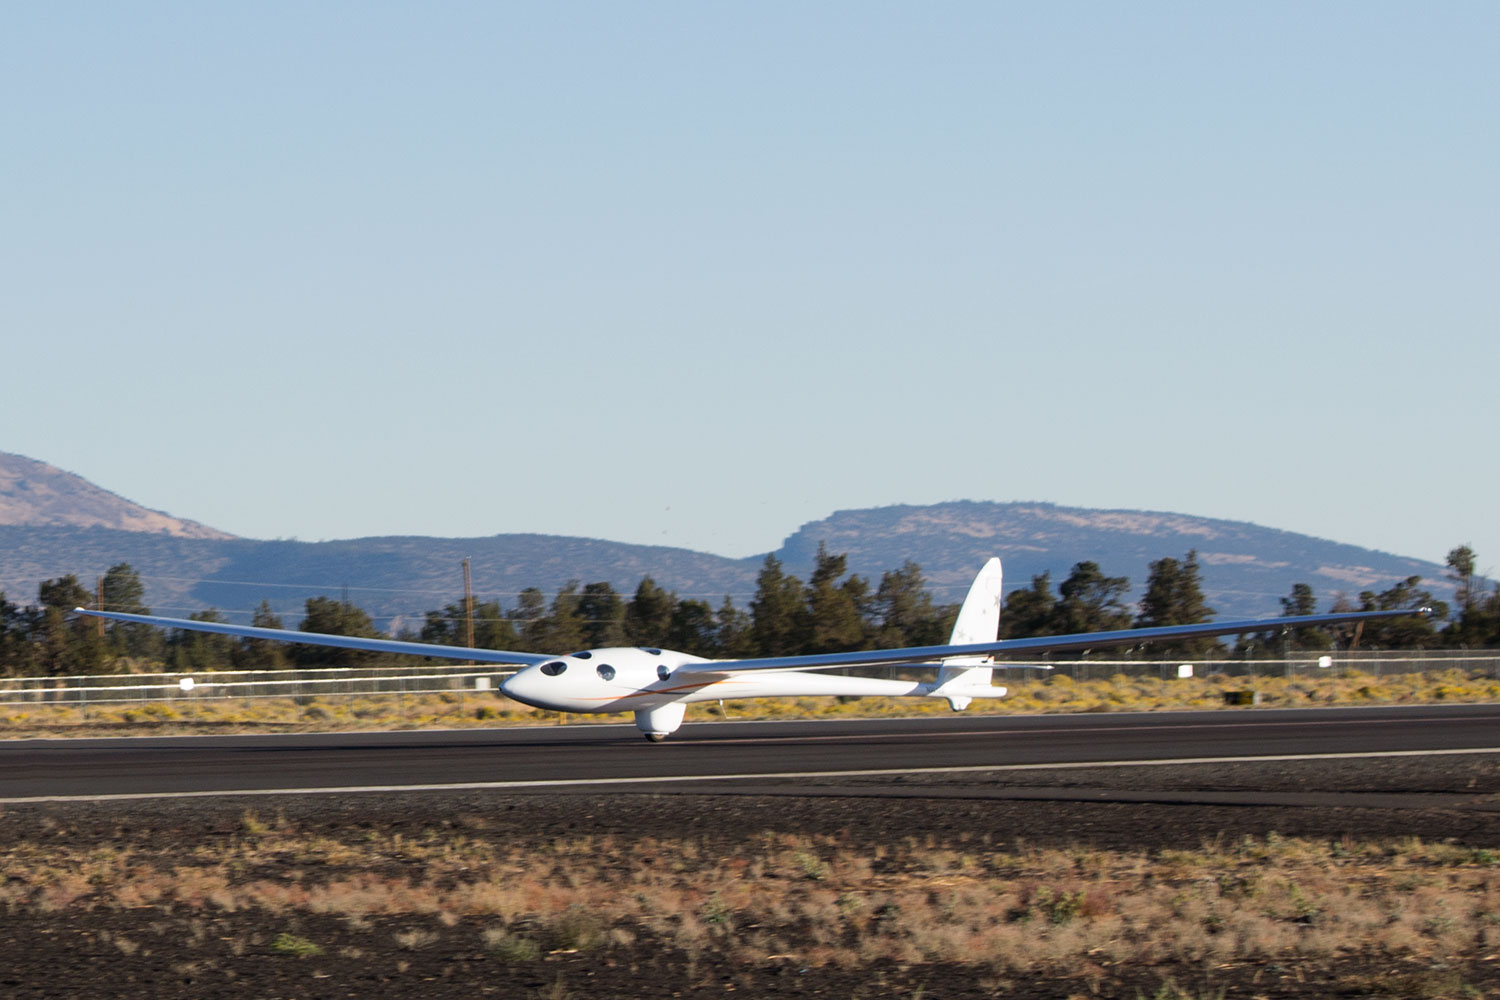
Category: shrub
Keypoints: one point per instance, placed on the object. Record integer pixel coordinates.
(576, 928)
(291, 944)
(512, 948)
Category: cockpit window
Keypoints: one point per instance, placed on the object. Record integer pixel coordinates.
(582, 654)
(554, 667)
(606, 671)
(648, 649)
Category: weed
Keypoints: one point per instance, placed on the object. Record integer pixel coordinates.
(1432, 984)
(810, 865)
(1055, 907)
(415, 939)
(1307, 910)
(576, 929)
(1064, 907)
(512, 948)
(1234, 885)
(714, 911)
(291, 944)
(1169, 990)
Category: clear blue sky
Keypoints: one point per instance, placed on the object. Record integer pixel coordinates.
(693, 274)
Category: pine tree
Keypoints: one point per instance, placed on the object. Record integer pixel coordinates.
(603, 616)
(1275, 643)
(1090, 601)
(904, 610)
(648, 615)
(1031, 611)
(1461, 572)
(776, 612)
(1409, 632)
(122, 590)
(561, 631)
(694, 629)
(69, 644)
(1174, 596)
(194, 652)
(324, 614)
(531, 607)
(262, 654)
(833, 621)
(1478, 621)
(17, 651)
(732, 636)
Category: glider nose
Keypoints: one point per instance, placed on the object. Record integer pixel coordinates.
(520, 686)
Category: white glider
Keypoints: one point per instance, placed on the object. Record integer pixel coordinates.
(657, 685)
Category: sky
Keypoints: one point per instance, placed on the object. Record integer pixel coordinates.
(694, 274)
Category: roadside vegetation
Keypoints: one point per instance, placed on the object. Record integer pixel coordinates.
(813, 901)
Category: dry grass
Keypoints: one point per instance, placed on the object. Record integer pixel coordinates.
(1065, 910)
(1059, 692)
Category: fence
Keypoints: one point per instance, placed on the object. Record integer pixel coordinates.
(1372, 663)
(250, 685)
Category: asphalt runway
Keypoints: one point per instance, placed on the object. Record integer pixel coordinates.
(887, 757)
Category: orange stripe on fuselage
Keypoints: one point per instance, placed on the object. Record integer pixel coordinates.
(666, 690)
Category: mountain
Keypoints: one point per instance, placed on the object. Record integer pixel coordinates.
(1245, 567)
(52, 523)
(34, 494)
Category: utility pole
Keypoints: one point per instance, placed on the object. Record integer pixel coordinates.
(468, 607)
(99, 604)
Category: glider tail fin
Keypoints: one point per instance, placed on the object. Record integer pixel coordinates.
(962, 678)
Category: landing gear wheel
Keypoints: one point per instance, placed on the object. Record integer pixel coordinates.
(656, 737)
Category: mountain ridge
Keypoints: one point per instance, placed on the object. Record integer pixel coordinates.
(1246, 567)
(35, 494)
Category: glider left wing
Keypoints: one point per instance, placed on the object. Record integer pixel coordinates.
(322, 639)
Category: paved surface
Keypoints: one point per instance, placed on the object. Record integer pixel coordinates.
(798, 757)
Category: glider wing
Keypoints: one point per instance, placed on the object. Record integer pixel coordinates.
(320, 639)
(1035, 645)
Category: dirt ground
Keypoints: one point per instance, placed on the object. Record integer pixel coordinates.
(163, 951)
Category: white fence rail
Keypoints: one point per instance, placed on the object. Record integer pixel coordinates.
(248, 685)
(1307, 665)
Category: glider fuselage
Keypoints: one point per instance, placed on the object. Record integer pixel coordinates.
(633, 679)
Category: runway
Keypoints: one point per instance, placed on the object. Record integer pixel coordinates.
(732, 757)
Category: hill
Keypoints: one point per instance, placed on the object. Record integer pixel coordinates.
(1246, 567)
(54, 523)
(35, 494)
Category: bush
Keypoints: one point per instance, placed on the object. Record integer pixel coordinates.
(576, 928)
(291, 944)
(512, 948)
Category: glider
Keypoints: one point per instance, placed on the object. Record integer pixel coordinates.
(657, 685)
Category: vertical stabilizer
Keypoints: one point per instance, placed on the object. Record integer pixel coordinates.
(978, 621)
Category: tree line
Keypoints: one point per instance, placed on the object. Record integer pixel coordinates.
(831, 611)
